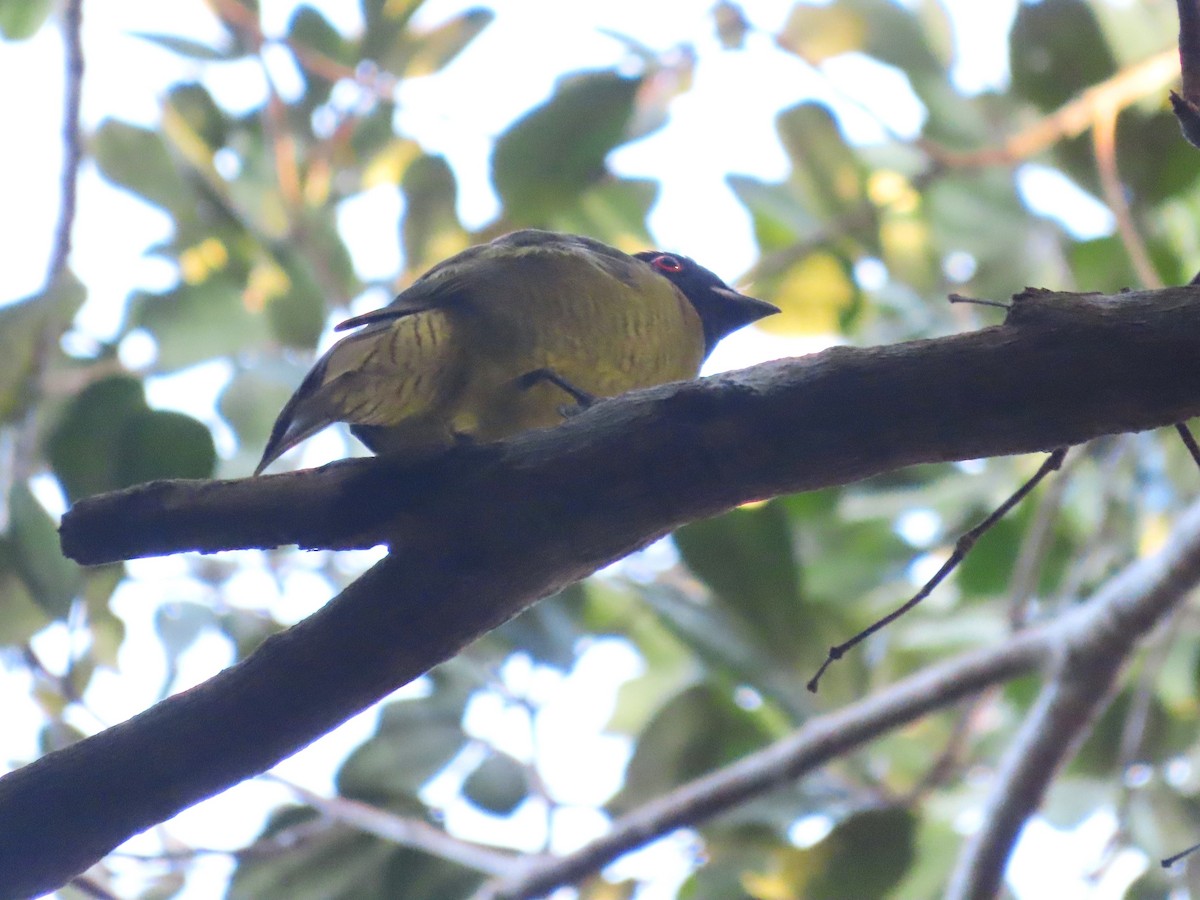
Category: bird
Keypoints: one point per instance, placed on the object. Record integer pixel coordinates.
(510, 335)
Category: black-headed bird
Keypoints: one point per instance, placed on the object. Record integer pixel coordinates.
(512, 335)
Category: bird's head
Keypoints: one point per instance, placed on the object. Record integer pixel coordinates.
(722, 310)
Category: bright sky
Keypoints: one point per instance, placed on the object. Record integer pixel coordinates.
(729, 112)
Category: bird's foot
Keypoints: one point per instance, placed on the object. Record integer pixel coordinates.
(581, 397)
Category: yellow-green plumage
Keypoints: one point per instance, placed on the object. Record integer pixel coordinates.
(451, 357)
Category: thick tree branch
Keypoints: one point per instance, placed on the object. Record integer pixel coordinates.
(1063, 369)
(412, 610)
(480, 535)
(1091, 641)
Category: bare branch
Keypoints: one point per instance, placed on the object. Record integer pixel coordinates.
(1090, 658)
(1063, 368)
(961, 548)
(810, 747)
(1073, 118)
(1104, 146)
(484, 533)
(1110, 623)
(1119, 614)
(72, 145)
(406, 831)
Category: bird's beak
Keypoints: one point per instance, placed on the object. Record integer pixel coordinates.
(752, 308)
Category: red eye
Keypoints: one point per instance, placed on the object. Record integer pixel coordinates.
(666, 263)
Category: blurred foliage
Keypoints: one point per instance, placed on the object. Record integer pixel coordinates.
(860, 242)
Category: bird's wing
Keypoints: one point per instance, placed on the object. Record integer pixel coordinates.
(425, 294)
(478, 271)
(380, 375)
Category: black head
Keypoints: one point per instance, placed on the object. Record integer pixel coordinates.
(722, 310)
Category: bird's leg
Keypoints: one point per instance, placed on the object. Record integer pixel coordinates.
(581, 397)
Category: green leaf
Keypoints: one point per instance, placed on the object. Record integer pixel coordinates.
(1156, 165)
(108, 438)
(254, 397)
(107, 629)
(195, 322)
(415, 740)
(309, 28)
(432, 50)
(548, 632)
(431, 230)
(935, 845)
(53, 580)
(614, 210)
(553, 153)
(826, 175)
(878, 28)
(338, 864)
(779, 219)
(80, 447)
(386, 26)
(747, 557)
(26, 327)
(163, 444)
(979, 212)
(988, 568)
(694, 733)
(20, 616)
(198, 122)
(406, 52)
(1162, 736)
(412, 875)
(184, 46)
(1057, 50)
(21, 19)
(498, 785)
(818, 33)
(57, 734)
(137, 159)
(713, 633)
(1102, 264)
(864, 856)
(311, 36)
(297, 312)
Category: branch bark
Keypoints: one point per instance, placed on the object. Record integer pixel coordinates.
(1086, 648)
(1088, 661)
(1062, 369)
(483, 533)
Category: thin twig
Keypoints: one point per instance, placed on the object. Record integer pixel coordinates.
(1036, 544)
(978, 301)
(1133, 731)
(950, 760)
(1069, 120)
(24, 448)
(406, 832)
(90, 888)
(286, 840)
(72, 145)
(1104, 146)
(377, 82)
(961, 548)
(1185, 435)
